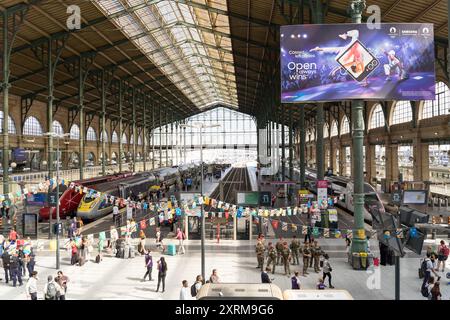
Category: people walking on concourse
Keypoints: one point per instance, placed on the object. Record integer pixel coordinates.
(185, 292)
(295, 281)
(31, 286)
(327, 270)
(265, 276)
(443, 252)
(162, 271)
(214, 278)
(62, 280)
(180, 237)
(148, 265)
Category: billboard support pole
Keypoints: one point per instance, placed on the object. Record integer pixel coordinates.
(319, 142)
(359, 243)
(302, 145)
(283, 144)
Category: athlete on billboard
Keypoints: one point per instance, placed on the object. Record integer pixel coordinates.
(350, 57)
(394, 65)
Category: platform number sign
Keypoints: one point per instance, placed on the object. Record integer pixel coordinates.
(265, 198)
(52, 198)
(396, 197)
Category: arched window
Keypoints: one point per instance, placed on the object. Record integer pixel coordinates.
(104, 135)
(124, 138)
(345, 127)
(441, 105)
(377, 119)
(114, 137)
(139, 142)
(402, 112)
(57, 128)
(313, 135)
(131, 139)
(90, 135)
(75, 132)
(334, 129)
(32, 127)
(326, 129)
(11, 124)
(308, 135)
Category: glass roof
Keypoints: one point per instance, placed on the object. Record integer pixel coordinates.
(180, 40)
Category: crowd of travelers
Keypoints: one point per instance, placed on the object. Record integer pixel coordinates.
(429, 271)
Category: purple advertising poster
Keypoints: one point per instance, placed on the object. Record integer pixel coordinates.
(334, 62)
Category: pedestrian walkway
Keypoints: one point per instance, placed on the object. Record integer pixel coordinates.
(235, 261)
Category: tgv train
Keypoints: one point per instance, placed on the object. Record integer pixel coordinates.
(70, 198)
(92, 206)
(344, 186)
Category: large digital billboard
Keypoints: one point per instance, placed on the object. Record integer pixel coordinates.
(334, 62)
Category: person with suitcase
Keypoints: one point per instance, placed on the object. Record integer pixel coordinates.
(180, 237)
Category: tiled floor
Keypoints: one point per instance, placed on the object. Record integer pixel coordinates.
(121, 279)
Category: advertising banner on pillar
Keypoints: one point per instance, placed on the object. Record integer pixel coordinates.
(322, 188)
(335, 62)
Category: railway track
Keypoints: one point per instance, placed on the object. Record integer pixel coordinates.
(237, 179)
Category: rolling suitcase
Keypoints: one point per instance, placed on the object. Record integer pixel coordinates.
(132, 253)
(171, 250)
(97, 259)
(126, 252)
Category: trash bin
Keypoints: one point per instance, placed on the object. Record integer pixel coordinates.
(356, 261)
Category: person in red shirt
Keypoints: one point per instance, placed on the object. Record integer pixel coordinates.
(13, 235)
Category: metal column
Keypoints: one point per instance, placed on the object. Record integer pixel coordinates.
(319, 142)
(144, 134)
(120, 124)
(5, 87)
(133, 106)
(81, 112)
(283, 145)
(167, 136)
(50, 98)
(302, 145)
(291, 147)
(359, 243)
(160, 136)
(153, 136)
(103, 122)
(184, 144)
(171, 141)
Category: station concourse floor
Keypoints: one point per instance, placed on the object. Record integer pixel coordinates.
(121, 279)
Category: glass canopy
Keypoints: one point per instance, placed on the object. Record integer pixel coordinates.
(187, 42)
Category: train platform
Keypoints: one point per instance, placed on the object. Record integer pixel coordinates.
(433, 211)
(251, 169)
(235, 261)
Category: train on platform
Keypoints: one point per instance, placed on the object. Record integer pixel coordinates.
(70, 198)
(344, 188)
(87, 207)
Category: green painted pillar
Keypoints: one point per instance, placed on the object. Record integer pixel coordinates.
(103, 123)
(359, 243)
(160, 136)
(302, 145)
(5, 87)
(120, 124)
(133, 128)
(81, 113)
(50, 100)
(283, 144)
(291, 146)
(171, 141)
(319, 142)
(153, 136)
(144, 134)
(166, 127)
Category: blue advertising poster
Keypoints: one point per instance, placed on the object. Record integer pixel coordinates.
(19, 155)
(335, 62)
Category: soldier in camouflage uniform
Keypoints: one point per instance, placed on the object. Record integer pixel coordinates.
(260, 255)
(316, 256)
(295, 247)
(272, 256)
(306, 257)
(279, 247)
(313, 251)
(286, 253)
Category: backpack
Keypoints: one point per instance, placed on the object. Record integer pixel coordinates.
(51, 291)
(445, 251)
(194, 290)
(424, 291)
(423, 266)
